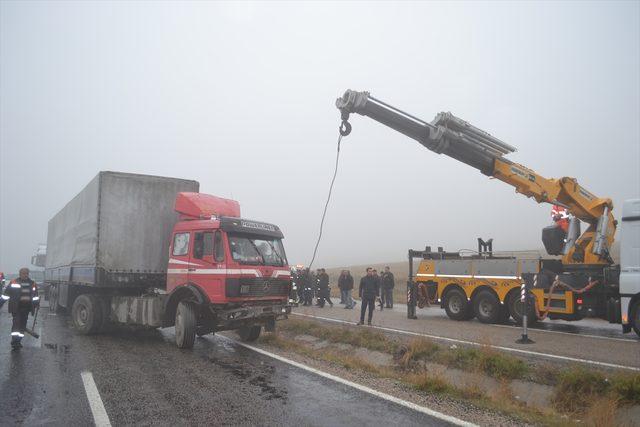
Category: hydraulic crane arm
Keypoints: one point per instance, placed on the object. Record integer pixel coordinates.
(458, 139)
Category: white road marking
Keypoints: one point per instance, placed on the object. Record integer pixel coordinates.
(568, 333)
(534, 328)
(477, 344)
(100, 416)
(387, 397)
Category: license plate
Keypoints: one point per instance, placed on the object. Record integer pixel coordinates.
(244, 289)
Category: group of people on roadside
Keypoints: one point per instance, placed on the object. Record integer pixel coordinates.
(373, 287)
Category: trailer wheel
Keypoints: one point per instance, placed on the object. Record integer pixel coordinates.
(185, 324)
(249, 333)
(486, 306)
(456, 305)
(635, 317)
(516, 309)
(86, 313)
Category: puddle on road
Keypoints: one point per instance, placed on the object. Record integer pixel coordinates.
(257, 376)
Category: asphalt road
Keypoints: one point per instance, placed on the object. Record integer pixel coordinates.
(143, 379)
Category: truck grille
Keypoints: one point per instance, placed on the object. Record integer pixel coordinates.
(256, 287)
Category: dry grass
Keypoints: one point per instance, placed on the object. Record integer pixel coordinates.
(602, 412)
(576, 390)
(486, 360)
(418, 349)
(626, 388)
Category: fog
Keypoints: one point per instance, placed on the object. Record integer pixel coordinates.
(240, 96)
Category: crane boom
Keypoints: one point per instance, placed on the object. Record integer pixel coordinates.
(456, 138)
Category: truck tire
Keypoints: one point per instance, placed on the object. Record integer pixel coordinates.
(456, 305)
(86, 314)
(486, 307)
(249, 333)
(635, 317)
(185, 324)
(516, 309)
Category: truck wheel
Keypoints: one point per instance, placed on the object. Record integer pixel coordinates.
(486, 306)
(516, 309)
(185, 324)
(456, 305)
(504, 314)
(635, 317)
(249, 333)
(86, 313)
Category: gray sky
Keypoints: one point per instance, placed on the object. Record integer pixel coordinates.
(240, 96)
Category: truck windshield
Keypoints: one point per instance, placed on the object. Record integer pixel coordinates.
(257, 250)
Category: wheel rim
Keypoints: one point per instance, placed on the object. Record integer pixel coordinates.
(455, 304)
(485, 308)
(82, 314)
(518, 307)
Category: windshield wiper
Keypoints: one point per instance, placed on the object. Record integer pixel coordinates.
(264, 262)
(276, 253)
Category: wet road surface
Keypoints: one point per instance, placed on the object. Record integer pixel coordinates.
(144, 379)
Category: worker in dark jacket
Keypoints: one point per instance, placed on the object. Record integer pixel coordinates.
(323, 288)
(22, 294)
(345, 283)
(379, 284)
(307, 285)
(388, 283)
(368, 291)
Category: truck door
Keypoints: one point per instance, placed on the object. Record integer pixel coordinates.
(207, 267)
(178, 269)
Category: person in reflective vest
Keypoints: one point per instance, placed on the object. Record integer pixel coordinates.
(560, 216)
(22, 295)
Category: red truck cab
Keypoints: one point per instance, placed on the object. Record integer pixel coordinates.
(234, 270)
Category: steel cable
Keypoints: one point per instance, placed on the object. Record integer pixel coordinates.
(326, 205)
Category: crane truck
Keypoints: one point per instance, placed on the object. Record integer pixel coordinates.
(152, 251)
(584, 282)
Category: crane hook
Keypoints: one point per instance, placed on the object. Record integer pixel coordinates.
(345, 128)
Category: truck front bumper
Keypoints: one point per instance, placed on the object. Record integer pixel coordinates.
(255, 315)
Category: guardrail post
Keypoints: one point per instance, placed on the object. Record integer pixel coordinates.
(411, 300)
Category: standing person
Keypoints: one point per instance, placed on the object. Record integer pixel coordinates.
(307, 283)
(368, 291)
(345, 282)
(388, 283)
(379, 284)
(316, 287)
(323, 288)
(23, 298)
(341, 288)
